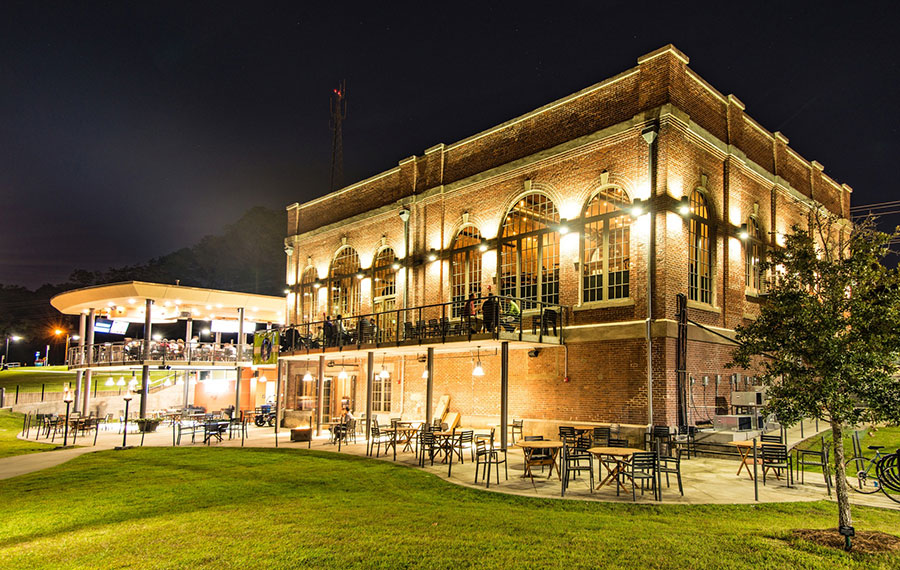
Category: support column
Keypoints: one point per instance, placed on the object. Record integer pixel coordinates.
(320, 393)
(370, 381)
(80, 361)
(188, 333)
(187, 388)
(278, 410)
(145, 369)
(429, 387)
(86, 389)
(504, 392)
(240, 354)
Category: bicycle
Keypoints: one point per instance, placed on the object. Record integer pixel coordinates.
(869, 475)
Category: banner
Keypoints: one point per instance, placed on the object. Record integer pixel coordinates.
(265, 347)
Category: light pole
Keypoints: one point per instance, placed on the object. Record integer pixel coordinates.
(68, 400)
(125, 425)
(14, 338)
(58, 332)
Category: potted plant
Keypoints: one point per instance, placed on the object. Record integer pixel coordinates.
(147, 425)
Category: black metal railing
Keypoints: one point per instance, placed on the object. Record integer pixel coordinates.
(161, 352)
(495, 317)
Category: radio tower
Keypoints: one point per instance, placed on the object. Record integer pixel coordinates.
(338, 114)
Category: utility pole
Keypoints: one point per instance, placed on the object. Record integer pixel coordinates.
(338, 114)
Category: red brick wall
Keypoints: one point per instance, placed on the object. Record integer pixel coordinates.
(608, 378)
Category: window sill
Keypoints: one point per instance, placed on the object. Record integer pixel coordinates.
(704, 307)
(629, 302)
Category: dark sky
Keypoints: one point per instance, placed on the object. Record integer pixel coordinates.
(128, 130)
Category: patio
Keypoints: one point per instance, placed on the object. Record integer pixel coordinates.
(706, 480)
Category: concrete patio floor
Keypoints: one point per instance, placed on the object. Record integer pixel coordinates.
(706, 480)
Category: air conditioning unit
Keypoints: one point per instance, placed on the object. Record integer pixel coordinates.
(747, 398)
(733, 422)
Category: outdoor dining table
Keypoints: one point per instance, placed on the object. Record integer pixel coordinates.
(615, 459)
(744, 448)
(528, 448)
(214, 429)
(401, 434)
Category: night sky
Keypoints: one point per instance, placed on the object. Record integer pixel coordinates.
(129, 130)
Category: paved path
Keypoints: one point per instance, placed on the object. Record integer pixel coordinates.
(706, 480)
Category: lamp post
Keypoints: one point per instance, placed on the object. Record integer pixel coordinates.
(125, 425)
(14, 338)
(58, 332)
(68, 400)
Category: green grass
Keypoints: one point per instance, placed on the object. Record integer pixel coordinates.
(889, 437)
(10, 425)
(53, 378)
(268, 508)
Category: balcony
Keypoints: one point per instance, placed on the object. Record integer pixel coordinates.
(162, 354)
(508, 319)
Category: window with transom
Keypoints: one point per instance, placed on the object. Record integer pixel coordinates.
(529, 251)
(384, 281)
(465, 267)
(753, 250)
(700, 254)
(308, 295)
(344, 284)
(605, 252)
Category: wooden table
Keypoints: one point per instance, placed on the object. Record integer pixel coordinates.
(614, 459)
(528, 448)
(396, 433)
(582, 429)
(744, 448)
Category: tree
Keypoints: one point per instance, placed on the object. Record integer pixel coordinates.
(827, 337)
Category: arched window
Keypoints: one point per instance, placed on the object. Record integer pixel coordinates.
(605, 253)
(700, 254)
(343, 283)
(385, 282)
(529, 251)
(384, 294)
(753, 251)
(465, 267)
(309, 294)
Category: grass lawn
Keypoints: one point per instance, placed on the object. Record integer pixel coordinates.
(10, 425)
(889, 437)
(268, 508)
(30, 379)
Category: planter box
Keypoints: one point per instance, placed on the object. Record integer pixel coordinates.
(147, 425)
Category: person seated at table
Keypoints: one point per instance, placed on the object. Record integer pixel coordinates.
(489, 311)
(510, 316)
(468, 312)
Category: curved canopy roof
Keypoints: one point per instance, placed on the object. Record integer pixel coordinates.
(126, 301)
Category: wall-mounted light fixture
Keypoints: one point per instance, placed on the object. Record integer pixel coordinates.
(432, 255)
(742, 233)
(684, 206)
(637, 208)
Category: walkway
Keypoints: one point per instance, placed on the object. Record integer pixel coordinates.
(706, 480)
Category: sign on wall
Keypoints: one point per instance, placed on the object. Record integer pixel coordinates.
(265, 347)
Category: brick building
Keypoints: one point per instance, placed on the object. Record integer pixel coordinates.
(564, 210)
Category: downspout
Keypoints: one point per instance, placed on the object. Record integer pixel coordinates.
(649, 135)
(402, 384)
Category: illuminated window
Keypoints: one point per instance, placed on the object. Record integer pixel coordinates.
(465, 267)
(381, 394)
(529, 251)
(700, 255)
(384, 288)
(343, 284)
(605, 250)
(753, 251)
(308, 296)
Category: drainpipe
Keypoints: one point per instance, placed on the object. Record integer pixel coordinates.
(404, 215)
(649, 135)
